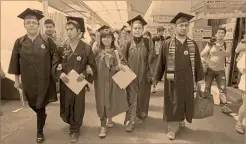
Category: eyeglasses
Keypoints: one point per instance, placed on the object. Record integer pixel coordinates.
(31, 23)
(183, 25)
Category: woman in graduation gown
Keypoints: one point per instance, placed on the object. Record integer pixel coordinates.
(74, 55)
(139, 55)
(180, 62)
(111, 100)
(33, 58)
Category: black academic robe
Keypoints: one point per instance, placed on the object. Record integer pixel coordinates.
(179, 95)
(34, 61)
(72, 106)
(139, 55)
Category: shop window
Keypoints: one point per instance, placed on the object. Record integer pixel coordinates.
(215, 23)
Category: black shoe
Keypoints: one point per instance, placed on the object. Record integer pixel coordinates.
(74, 137)
(40, 137)
(130, 127)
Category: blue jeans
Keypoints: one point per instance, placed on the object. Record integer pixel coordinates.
(220, 78)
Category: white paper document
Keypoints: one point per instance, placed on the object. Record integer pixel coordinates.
(124, 78)
(73, 84)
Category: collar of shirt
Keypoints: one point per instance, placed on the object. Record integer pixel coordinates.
(181, 40)
(137, 40)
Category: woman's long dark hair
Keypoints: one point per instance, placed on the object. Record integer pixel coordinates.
(104, 34)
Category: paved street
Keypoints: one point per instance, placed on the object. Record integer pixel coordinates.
(20, 127)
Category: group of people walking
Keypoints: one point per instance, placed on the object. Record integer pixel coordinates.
(41, 60)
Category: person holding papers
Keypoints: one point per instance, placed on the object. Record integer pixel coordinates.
(75, 56)
(111, 100)
(33, 57)
(139, 54)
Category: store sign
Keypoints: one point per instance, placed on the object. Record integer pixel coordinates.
(223, 15)
(216, 3)
(162, 18)
(150, 27)
(212, 2)
(224, 4)
(197, 6)
(201, 33)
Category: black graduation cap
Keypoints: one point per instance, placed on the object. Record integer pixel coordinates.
(181, 17)
(34, 12)
(103, 28)
(137, 18)
(77, 20)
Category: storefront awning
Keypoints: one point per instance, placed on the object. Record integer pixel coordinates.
(219, 9)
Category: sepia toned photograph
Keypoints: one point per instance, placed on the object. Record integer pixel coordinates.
(123, 72)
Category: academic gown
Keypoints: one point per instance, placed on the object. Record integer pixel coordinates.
(109, 96)
(34, 61)
(72, 106)
(179, 95)
(140, 59)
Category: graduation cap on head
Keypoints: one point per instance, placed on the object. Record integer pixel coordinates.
(78, 21)
(181, 17)
(104, 27)
(31, 12)
(139, 19)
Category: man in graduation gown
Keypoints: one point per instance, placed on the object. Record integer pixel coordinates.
(139, 54)
(75, 55)
(179, 60)
(33, 58)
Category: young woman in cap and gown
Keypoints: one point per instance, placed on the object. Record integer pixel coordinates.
(33, 58)
(111, 100)
(179, 60)
(74, 55)
(139, 55)
(98, 34)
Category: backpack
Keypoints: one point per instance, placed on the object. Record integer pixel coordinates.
(146, 44)
(225, 49)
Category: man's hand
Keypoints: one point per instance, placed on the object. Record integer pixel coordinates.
(81, 77)
(89, 70)
(64, 78)
(17, 84)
